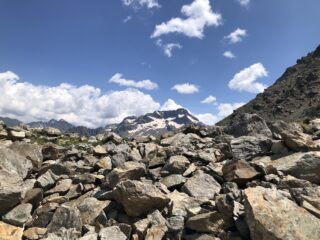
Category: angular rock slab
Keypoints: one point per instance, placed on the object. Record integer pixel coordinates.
(112, 233)
(9, 232)
(139, 198)
(271, 216)
(300, 165)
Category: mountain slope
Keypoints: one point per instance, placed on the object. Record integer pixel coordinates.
(293, 97)
(10, 122)
(61, 124)
(155, 123)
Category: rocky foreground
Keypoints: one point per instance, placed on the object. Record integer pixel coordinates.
(245, 181)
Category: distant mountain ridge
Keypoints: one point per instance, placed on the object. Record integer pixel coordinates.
(155, 123)
(295, 96)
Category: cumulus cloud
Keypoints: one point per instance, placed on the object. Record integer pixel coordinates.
(210, 100)
(141, 3)
(228, 54)
(185, 88)
(226, 109)
(237, 35)
(198, 15)
(84, 105)
(245, 80)
(170, 105)
(244, 2)
(168, 47)
(146, 84)
(207, 118)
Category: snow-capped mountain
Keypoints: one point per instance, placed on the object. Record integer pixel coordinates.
(155, 123)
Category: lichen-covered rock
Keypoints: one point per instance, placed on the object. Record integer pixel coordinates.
(19, 215)
(270, 215)
(9, 232)
(139, 198)
(112, 233)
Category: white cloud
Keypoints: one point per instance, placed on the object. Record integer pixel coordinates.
(168, 47)
(142, 3)
(226, 109)
(245, 80)
(84, 105)
(127, 19)
(170, 105)
(146, 84)
(237, 35)
(185, 88)
(210, 100)
(244, 2)
(207, 118)
(228, 54)
(198, 16)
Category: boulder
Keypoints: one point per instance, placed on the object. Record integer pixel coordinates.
(14, 163)
(99, 150)
(176, 165)
(182, 204)
(139, 198)
(11, 190)
(112, 233)
(51, 151)
(9, 232)
(35, 233)
(248, 125)
(303, 165)
(29, 151)
(173, 180)
(293, 136)
(248, 147)
(212, 222)
(65, 217)
(270, 215)
(239, 172)
(19, 215)
(90, 209)
(128, 171)
(201, 186)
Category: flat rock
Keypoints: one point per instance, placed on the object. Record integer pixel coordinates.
(112, 233)
(201, 186)
(239, 172)
(212, 222)
(19, 215)
(270, 215)
(139, 198)
(128, 171)
(90, 209)
(248, 147)
(173, 180)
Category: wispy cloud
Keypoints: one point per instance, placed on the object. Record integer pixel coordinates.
(229, 54)
(142, 3)
(237, 35)
(198, 15)
(168, 47)
(245, 80)
(244, 2)
(146, 84)
(210, 100)
(185, 88)
(127, 19)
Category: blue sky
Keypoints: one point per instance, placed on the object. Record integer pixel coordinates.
(83, 45)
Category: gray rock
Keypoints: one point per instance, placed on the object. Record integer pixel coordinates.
(29, 151)
(47, 180)
(248, 125)
(173, 180)
(128, 171)
(90, 209)
(14, 163)
(270, 216)
(112, 233)
(176, 165)
(248, 147)
(139, 198)
(11, 189)
(65, 217)
(19, 215)
(52, 151)
(201, 186)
